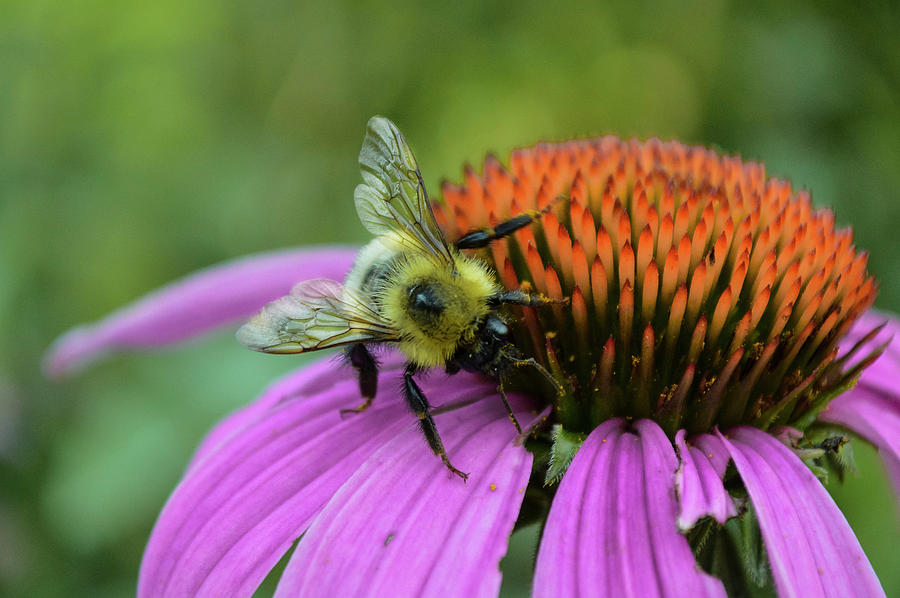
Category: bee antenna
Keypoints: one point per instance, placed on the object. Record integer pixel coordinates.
(552, 203)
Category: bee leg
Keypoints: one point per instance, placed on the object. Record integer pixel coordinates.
(416, 400)
(509, 411)
(525, 298)
(361, 359)
(533, 363)
(477, 239)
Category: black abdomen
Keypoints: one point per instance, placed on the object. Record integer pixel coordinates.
(374, 279)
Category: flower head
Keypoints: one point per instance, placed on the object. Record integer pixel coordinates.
(702, 292)
(714, 316)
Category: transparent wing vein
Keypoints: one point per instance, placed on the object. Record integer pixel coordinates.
(392, 197)
(316, 315)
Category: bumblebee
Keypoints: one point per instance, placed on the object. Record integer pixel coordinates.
(408, 287)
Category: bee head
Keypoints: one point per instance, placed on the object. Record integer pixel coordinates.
(435, 309)
(439, 311)
(425, 301)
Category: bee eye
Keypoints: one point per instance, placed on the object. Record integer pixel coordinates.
(497, 328)
(425, 298)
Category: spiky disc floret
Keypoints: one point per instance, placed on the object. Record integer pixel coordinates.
(702, 293)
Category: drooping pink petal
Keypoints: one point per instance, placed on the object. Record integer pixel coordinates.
(255, 490)
(892, 464)
(812, 550)
(875, 417)
(872, 407)
(699, 481)
(404, 526)
(867, 322)
(612, 526)
(884, 373)
(195, 304)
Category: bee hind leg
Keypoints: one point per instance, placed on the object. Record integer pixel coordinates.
(417, 402)
(366, 366)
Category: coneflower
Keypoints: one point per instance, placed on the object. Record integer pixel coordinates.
(702, 293)
(714, 318)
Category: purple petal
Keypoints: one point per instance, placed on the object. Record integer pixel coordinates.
(866, 323)
(314, 378)
(872, 407)
(404, 526)
(612, 527)
(699, 481)
(812, 550)
(255, 489)
(873, 416)
(195, 304)
(884, 373)
(892, 464)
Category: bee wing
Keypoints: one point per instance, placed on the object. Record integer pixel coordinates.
(316, 315)
(392, 197)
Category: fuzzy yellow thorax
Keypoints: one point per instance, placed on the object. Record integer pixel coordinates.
(464, 289)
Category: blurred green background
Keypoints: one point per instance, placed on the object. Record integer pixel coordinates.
(141, 141)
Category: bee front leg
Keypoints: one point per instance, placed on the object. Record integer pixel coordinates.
(526, 298)
(515, 362)
(361, 359)
(509, 410)
(483, 237)
(416, 400)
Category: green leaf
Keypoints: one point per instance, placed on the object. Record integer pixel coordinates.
(565, 445)
(753, 550)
